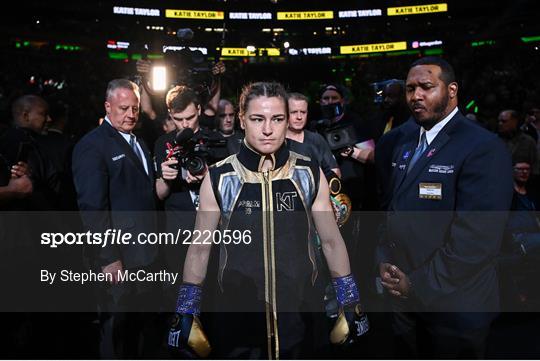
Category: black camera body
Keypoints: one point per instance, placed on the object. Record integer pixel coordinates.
(193, 150)
(187, 66)
(339, 138)
(190, 68)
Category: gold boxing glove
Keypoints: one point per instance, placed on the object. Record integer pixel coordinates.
(351, 321)
(186, 335)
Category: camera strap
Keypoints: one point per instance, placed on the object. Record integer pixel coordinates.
(171, 149)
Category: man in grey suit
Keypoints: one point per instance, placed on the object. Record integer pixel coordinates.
(452, 188)
(114, 179)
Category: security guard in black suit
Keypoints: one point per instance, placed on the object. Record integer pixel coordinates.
(114, 180)
(452, 186)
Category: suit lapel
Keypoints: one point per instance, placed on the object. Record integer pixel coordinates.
(432, 150)
(113, 133)
(440, 140)
(404, 157)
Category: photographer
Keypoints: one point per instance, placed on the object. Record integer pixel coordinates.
(211, 94)
(177, 182)
(176, 185)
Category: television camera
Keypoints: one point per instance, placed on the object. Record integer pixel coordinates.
(181, 65)
(336, 137)
(194, 150)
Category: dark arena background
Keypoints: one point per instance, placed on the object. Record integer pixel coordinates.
(73, 48)
(68, 51)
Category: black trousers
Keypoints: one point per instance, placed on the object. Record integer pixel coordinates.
(131, 324)
(423, 336)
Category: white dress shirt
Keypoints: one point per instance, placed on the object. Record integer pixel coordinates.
(432, 133)
(127, 137)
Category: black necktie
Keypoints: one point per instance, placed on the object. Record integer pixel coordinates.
(418, 151)
(133, 144)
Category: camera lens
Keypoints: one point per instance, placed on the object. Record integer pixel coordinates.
(196, 165)
(336, 137)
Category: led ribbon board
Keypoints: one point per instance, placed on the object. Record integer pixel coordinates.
(418, 9)
(243, 52)
(250, 16)
(194, 14)
(311, 51)
(359, 13)
(372, 48)
(305, 15)
(124, 10)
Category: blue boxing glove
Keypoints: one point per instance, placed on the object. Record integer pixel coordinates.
(186, 334)
(351, 322)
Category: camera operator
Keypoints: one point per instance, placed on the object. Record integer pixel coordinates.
(209, 108)
(351, 157)
(177, 186)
